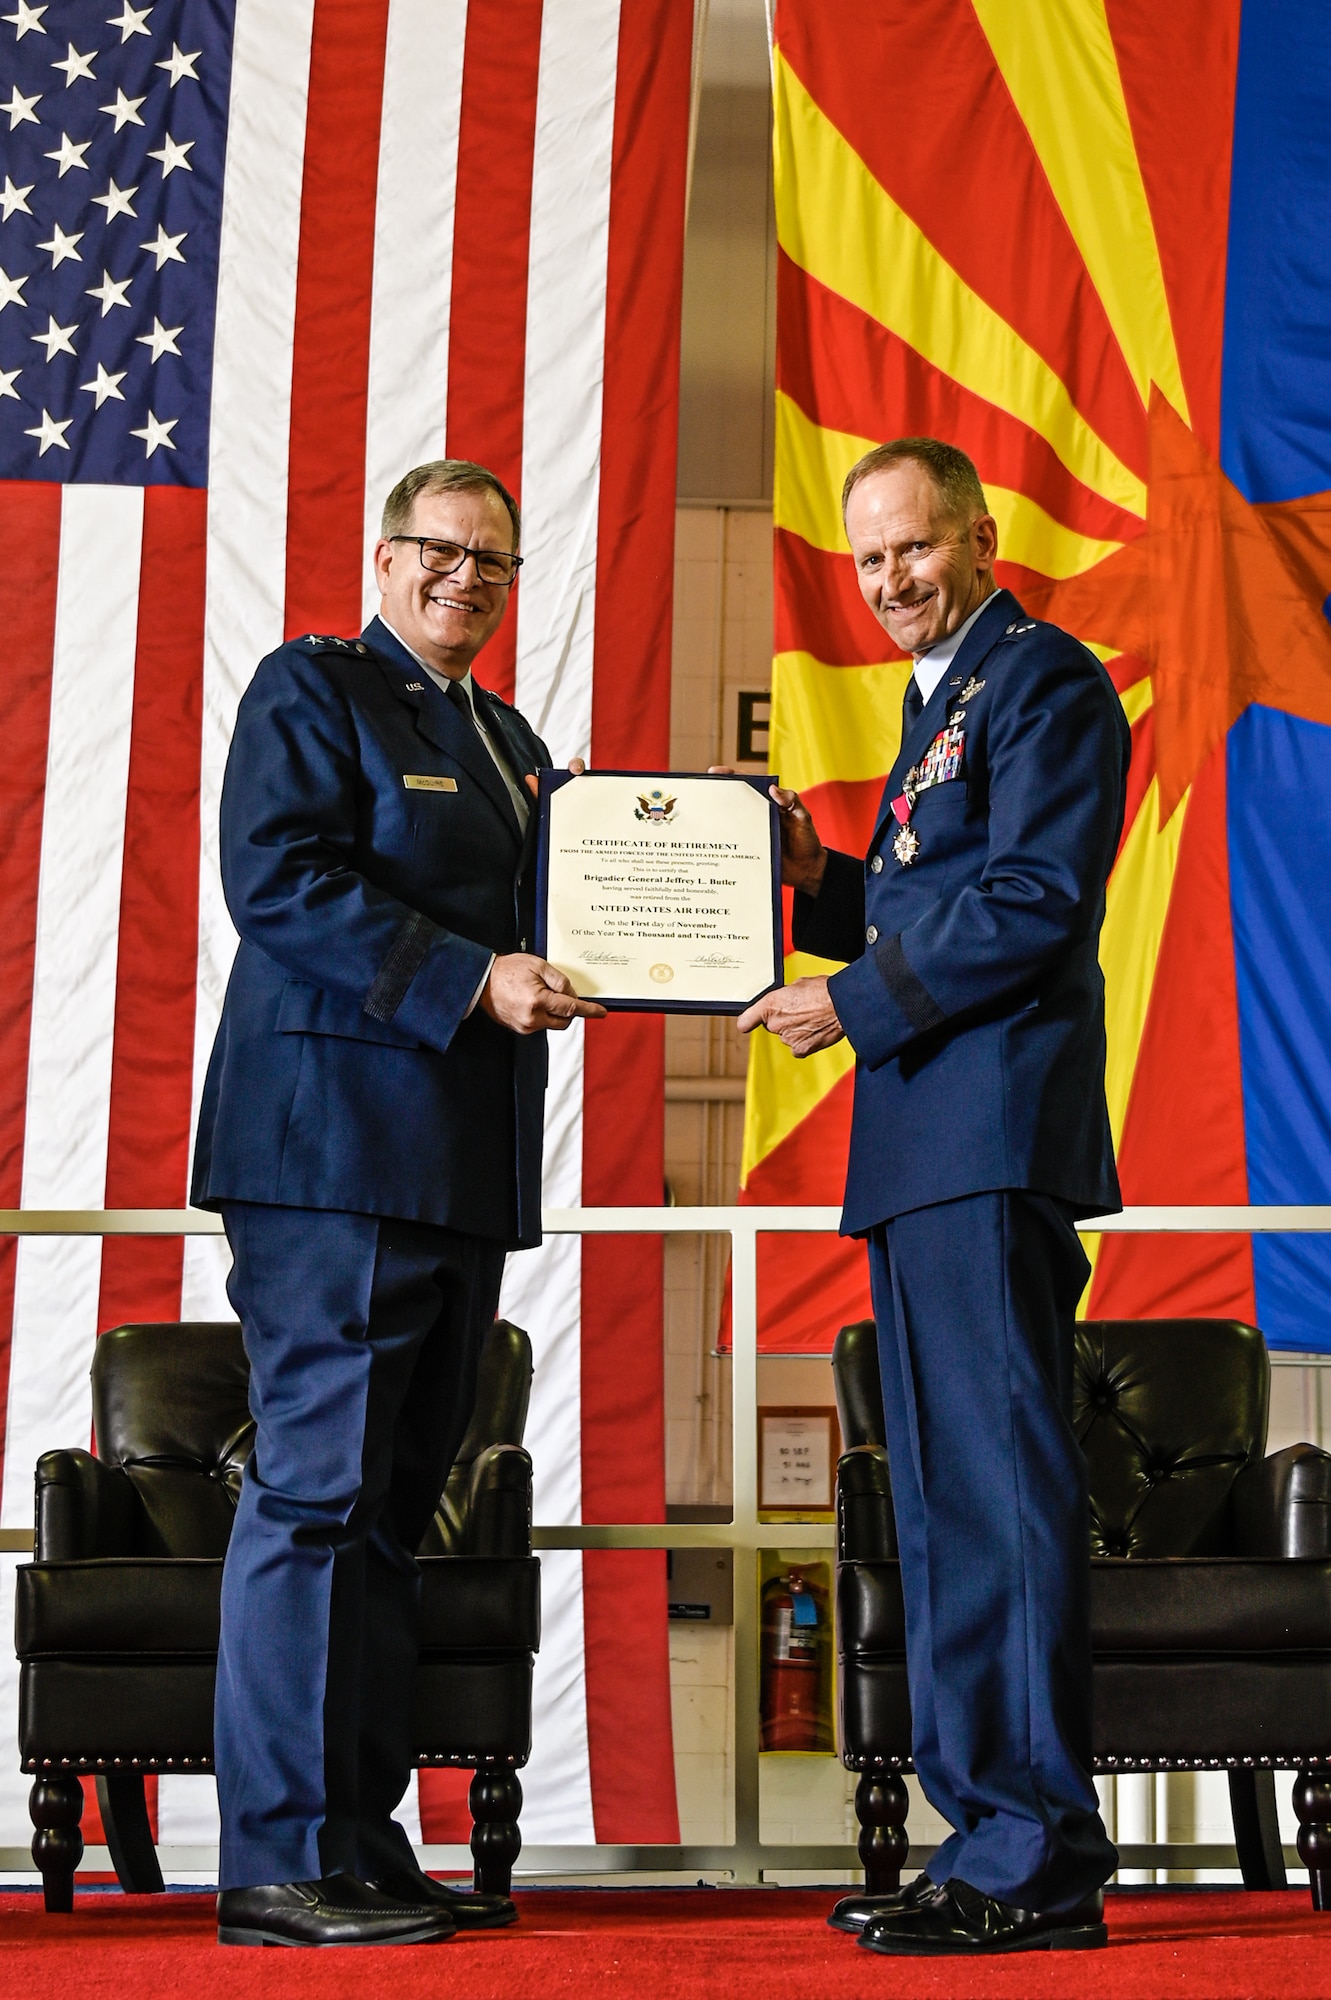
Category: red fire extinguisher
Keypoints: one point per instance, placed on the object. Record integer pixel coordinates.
(794, 1623)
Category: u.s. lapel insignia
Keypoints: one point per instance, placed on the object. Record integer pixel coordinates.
(906, 844)
(969, 692)
(415, 687)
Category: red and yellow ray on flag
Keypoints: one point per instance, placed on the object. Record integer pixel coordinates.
(1005, 226)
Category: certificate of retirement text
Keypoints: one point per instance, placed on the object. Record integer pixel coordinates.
(660, 889)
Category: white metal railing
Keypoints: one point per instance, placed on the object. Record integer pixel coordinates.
(744, 1533)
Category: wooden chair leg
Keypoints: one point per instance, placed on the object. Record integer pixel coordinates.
(55, 1806)
(881, 1805)
(1312, 1803)
(129, 1835)
(1252, 1802)
(495, 1799)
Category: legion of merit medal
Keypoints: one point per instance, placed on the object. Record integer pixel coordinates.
(905, 841)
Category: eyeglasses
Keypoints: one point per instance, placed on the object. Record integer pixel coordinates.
(446, 558)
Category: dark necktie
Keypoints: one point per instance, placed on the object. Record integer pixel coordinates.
(912, 706)
(457, 695)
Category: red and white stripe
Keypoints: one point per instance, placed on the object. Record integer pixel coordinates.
(450, 227)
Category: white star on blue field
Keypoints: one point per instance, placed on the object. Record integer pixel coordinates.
(112, 147)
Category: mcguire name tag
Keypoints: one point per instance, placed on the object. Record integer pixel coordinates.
(426, 783)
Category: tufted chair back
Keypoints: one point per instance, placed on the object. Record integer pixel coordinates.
(171, 1408)
(1168, 1412)
(170, 1405)
(503, 1393)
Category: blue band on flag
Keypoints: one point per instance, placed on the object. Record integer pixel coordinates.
(1275, 430)
(1276, 445)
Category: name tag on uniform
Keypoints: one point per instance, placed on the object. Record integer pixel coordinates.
(426, 783)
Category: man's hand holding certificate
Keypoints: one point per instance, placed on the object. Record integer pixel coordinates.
(660, 893)
(801, 1014)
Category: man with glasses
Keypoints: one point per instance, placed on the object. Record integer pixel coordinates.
(371, 1132)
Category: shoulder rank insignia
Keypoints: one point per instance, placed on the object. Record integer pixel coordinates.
(330, 642)
(1015, 631)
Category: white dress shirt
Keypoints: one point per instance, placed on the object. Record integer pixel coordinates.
(931, 666)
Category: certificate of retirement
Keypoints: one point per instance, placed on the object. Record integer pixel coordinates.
(660, 893)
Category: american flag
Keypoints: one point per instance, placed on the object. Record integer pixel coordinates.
(112, 208)
(255, 261)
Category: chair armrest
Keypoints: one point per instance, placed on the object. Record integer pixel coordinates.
(496, 1520)
(1282, 1504)
(85, 1508)
(866, 1524)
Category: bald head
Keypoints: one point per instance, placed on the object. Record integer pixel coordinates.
(952, 472)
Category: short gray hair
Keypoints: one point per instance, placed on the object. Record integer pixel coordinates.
(953, 474)
(444, 475)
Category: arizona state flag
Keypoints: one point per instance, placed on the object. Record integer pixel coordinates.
(1087, 241)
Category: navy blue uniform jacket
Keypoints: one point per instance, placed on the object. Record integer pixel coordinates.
(346, 1073)
(974, 1000)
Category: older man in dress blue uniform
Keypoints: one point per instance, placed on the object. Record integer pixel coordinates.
(371, 1133)
(974, 1002)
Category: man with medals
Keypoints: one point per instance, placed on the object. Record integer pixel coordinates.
(972, 996)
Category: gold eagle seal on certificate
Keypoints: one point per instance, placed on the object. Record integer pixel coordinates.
(662, 974)
(657, 808)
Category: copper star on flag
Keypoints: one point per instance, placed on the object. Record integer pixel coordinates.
(1222, 599)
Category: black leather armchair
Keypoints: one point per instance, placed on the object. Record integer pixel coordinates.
(1210, 1586)
(116, 1621)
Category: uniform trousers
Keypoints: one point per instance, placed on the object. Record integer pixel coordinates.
(974, 1301)
(363, 1336)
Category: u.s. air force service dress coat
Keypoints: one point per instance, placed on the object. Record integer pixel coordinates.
(372, 861)
(973, 998)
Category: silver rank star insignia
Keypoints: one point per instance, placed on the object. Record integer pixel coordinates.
(969, 692)
(906, 844)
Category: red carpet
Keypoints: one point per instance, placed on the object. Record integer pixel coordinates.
(743, 1944)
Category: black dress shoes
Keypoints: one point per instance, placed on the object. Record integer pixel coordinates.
(957, 1919)
(469, 1910)
(337, 1910)
(852, 1913)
